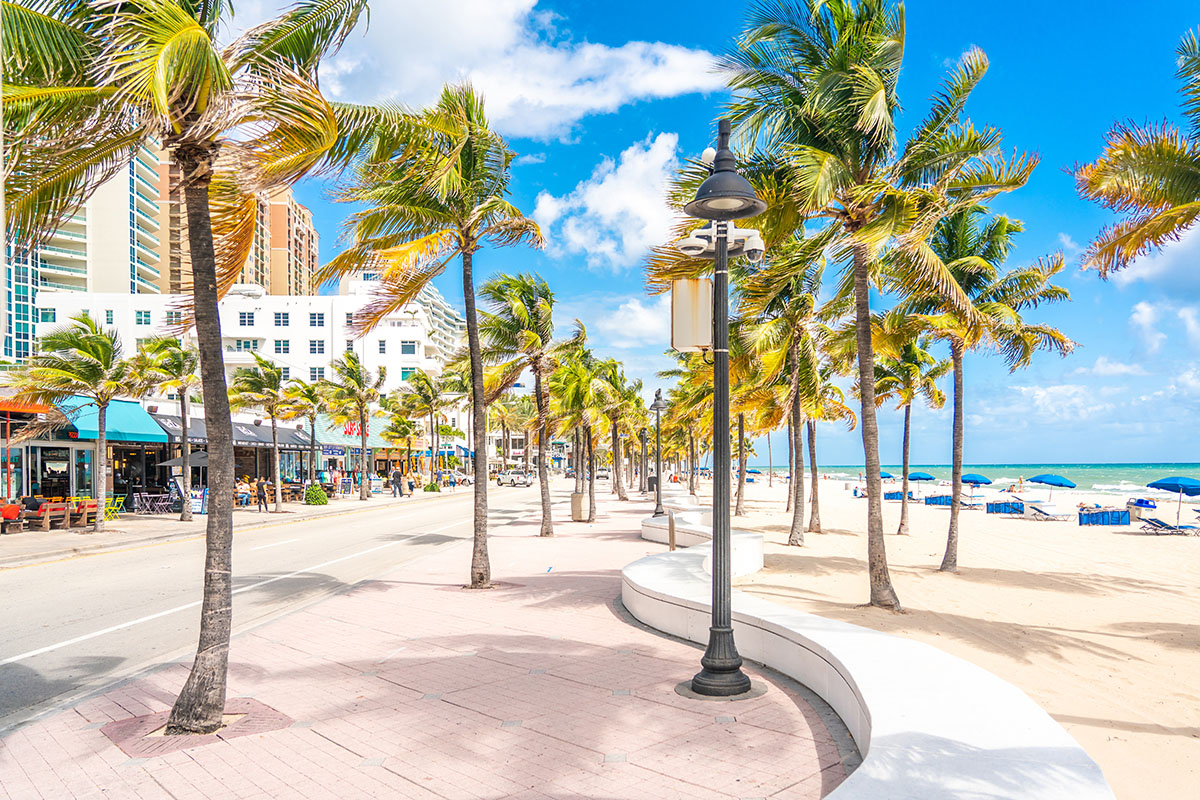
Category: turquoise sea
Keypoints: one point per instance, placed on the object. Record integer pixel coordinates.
(1115, 479)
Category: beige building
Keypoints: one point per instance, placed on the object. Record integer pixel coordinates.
(294, 246)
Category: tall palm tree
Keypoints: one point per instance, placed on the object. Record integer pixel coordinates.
(401, 429)
(305, 400)
(350, 395)
(263, 387)
(1148, 174)
(826, 403)
(98, 80)
(517, 331)
(817, 81)
(79, 360)
(440, 197)
(577, 387)
(423, 395)
(914, 373)
(974, 249)
(171, 367)
(615, 397)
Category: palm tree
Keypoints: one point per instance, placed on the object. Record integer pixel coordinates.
(439, 197)
(1148, 174)
(80, 360)
(816, 81)
(171, 367)
(578, 388)
(422, 396)
(974, 249)
(401, 429)
(305, 400)
(96, 81)
(616, 397)
(826, 403)
(914, 373)
(517, 332)
(263, 387)
(349, 395)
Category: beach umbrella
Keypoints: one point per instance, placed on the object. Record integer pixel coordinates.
(920, 476)
(754, 471)
(1052, 480)
(1188, 486)
(886, 475)
(976, 480)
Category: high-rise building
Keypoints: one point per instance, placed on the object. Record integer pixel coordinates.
(294, 246)
(110, 244)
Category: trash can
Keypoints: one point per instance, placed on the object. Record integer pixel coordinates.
(651, 483)
(577, 503)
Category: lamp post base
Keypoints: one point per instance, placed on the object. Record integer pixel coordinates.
(722, 674)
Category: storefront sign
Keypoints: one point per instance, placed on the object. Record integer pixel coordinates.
(330, 450)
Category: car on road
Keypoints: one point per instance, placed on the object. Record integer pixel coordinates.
(461, 478)
(602, 474)
(514, 477)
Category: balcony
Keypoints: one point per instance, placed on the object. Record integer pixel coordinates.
(153, 168)
(72, 235)
(150, 286)
(68, 252)
(47, 266)
(146, 251)
(148, 219)
(152, 187)
(150, 268)
(147, 235)
(149, 203)
(238, 358)
(69, 287)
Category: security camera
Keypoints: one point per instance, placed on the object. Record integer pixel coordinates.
(692, 246)
(709, 156)
(755, 248)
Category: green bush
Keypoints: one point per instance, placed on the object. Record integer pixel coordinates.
(432, 487)
(315, 496)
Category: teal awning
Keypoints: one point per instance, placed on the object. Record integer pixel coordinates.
(126, 421)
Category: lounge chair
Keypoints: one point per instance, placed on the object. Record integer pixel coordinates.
(1157, 526)
(1045, 512)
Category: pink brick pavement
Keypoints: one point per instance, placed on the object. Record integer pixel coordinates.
(410, 687)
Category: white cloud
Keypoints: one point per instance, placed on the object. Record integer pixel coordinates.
(1069, 245)
(637, 324)
(1190, 316)
(1173, 266)
(1106, 368)
(1145, 319)
(537, 82)
(1062, 402)
(531, 158)
(614, 217)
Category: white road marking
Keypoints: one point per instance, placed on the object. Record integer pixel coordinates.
(275, 544)
(112, 629)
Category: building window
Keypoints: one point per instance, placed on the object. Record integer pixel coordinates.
(349, 317)
(316, 346)
(316, 319)
(408, 348)
(174, 317)
(285, 373)
(141, 317)
(281, 319)
(48, 315)
(108, 317)
(316, 374)
(283, 346)
(247, 345)
(140, 344)
(245, 318)
(407, 372)
(382, 346)
(349, 345)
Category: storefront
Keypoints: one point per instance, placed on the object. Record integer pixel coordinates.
(63, 467)
(14, 417)
(252, 446)
(197, 437)
(341, 450)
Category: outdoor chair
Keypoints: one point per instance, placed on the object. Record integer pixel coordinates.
(84, 514)
(13, 520)
(1157, 526)
(1041, 514)
(58, 515)
(112, 508)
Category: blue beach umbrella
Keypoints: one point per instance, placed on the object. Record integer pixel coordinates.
(975, 479)
(1052, 480)
(754, 471)
(920, 476)
(885, 475)
(1188, 486)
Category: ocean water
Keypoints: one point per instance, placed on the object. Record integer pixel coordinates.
(1127, 480)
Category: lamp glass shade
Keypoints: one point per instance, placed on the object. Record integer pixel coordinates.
(725, 195)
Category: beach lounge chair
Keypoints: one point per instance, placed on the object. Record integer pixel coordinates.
(1045, 512)
(1157, 526)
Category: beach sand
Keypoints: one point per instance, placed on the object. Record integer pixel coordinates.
(1101, 626)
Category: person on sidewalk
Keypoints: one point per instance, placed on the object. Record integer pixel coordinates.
(397, 481)
(261, 491)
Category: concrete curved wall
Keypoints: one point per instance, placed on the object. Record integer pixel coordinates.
(929, 725)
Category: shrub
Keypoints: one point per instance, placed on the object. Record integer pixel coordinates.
(315, 496)
(432, 487)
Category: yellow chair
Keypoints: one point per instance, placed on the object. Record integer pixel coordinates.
(112, 508)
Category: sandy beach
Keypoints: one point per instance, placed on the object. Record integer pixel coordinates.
(1098, 625)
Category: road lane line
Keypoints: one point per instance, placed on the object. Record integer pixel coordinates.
(112, 629)
(275, 544)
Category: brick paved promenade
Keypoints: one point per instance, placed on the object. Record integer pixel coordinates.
(410, 687)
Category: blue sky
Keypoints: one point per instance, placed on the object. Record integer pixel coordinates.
(602, 101)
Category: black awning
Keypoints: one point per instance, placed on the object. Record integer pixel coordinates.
(173, 427)
(245, 434)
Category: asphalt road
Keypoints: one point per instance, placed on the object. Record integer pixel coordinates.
(72, 626)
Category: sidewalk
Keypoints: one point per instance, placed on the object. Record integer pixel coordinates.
(31, 547)
(411, 687)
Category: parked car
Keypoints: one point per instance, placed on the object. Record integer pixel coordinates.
(461, 478)
(602, 474)
(514, 478)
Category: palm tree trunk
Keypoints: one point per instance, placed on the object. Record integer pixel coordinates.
(791, 468)
(364, 487)
(481, 568)
(312, 452)
(903, 529)
(201, 702)
(591, 460)
(770, 462)
(101, 468)
(796, 429)
(814, 519)
(691, 462)
(275, 464)
(579, 459)
(950, 560)
(432, 451)
(618, 484)
(185, 509)
(740, 508)
(882, 593)
(543, 413)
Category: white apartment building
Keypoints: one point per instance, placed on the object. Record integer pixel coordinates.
(303, 334)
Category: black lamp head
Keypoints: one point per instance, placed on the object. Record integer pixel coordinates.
(725, 195)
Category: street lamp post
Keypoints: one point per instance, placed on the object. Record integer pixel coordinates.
(658, 406)
(642, 474)
(723, 197)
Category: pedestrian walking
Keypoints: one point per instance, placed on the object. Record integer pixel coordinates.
(261, 492)
(412, 486)
(397, 481)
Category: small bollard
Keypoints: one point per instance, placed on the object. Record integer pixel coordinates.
(671, 530)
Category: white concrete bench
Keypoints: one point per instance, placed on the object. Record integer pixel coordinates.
(929, 725)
